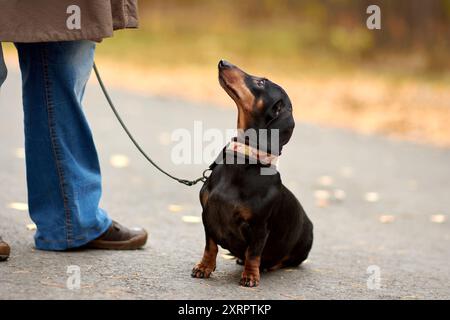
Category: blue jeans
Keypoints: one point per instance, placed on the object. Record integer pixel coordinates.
(3, 71)
(63, 171)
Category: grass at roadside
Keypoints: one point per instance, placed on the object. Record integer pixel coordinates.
(412, 109)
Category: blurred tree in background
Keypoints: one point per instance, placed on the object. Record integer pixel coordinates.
(415, 34)
(337, 71)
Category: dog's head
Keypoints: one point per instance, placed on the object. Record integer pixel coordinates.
(261, 104)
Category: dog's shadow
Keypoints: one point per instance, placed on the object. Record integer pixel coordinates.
(228, 273)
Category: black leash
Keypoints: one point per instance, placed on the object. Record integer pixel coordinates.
(189, 183)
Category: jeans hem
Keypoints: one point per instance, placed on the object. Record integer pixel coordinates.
(62, 245)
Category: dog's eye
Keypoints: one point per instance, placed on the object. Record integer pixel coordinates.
(261, 82)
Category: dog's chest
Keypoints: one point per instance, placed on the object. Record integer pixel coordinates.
(233, 199)
(226, 216)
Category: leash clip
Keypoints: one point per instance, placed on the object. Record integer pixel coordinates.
(190, 183)
(206, 177)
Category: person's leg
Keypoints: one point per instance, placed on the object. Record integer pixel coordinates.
(4, 247)
(3, 70)
(63, 172)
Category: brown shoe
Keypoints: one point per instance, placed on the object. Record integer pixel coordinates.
(4, 250)
(118, 237)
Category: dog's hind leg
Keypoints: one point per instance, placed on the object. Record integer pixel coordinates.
(279, 265)
(257, 241)
(301, 251)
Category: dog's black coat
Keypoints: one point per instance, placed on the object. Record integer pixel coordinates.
(252, 215)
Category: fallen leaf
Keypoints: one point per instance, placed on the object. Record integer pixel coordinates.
(386, 218)
(165, 138)
(325, 181)
(21, 271)
(53, 284)
(322, 203)
(31, 227)
(191, 219)
(339, 194)
(438, 218)
(20, 206)
(371, 197)
(175, 208)
(119, 161)
(322, 194)
(20, 153)
(322, 198)
(317, 270)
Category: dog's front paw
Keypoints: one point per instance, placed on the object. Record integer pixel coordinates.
(249, 279)
(202, 270)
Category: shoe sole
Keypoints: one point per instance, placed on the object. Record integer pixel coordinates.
(3, 258)
(132, 244)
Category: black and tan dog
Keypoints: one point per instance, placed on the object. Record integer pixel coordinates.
(251, 214)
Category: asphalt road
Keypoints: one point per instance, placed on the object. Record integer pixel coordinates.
(389, 191)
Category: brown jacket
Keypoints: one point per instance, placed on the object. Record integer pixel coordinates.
(64, 20)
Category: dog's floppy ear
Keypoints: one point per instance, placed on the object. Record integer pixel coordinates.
(276, 109)
(283, 121)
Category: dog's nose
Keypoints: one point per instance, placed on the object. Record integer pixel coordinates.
(224, 64)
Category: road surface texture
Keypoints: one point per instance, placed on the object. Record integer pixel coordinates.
(380, 210)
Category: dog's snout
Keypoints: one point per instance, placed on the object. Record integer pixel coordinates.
(224, 64)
